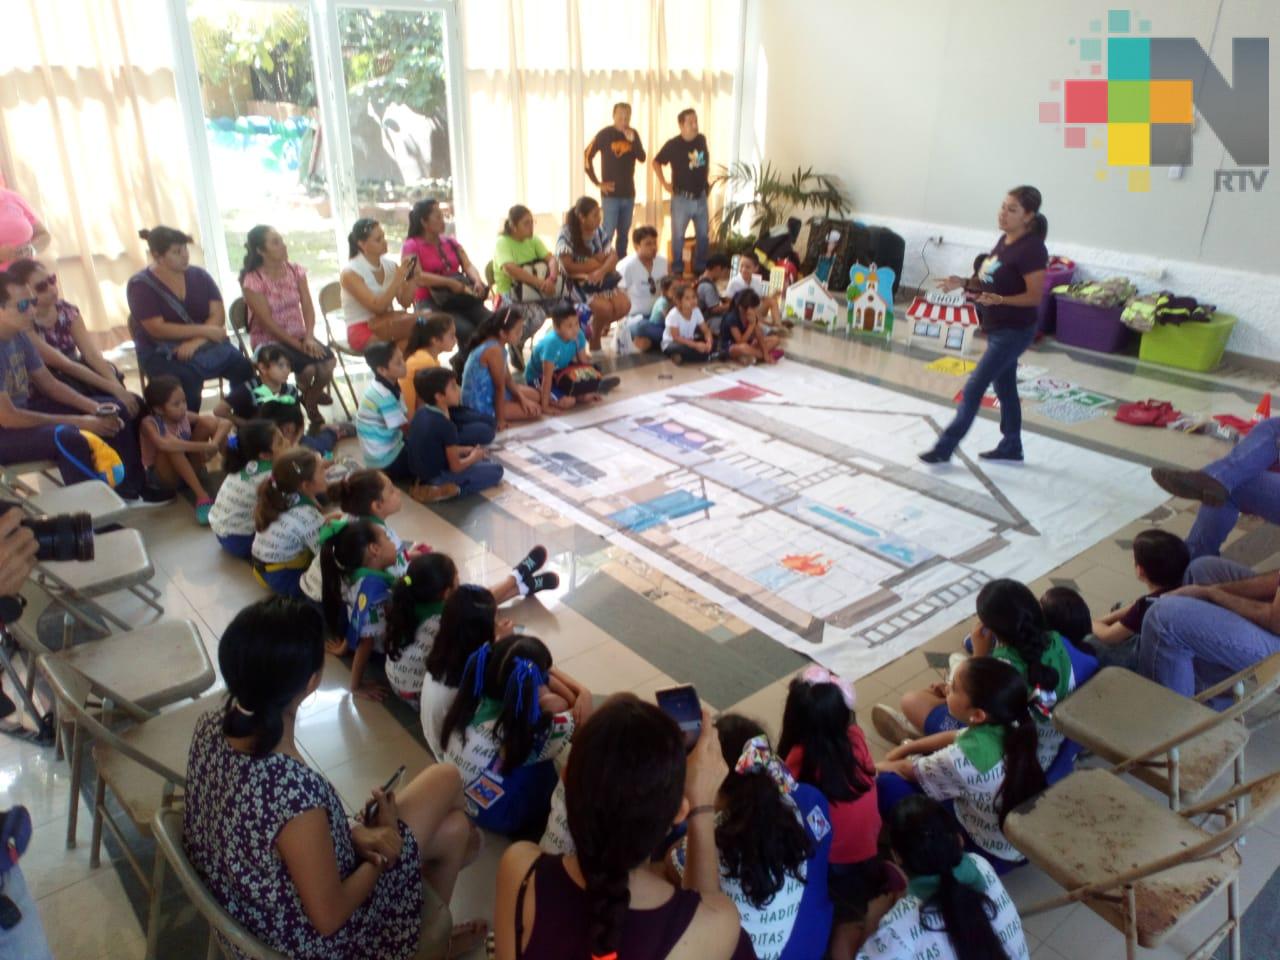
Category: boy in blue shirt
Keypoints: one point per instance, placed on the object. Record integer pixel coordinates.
(435, 457)
(560, 365)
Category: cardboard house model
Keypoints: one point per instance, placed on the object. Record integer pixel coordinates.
(808, 300)
(868, 312)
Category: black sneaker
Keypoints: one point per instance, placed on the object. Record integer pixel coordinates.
(999, 454)
(543, 581)
(151, 497)
(609, 383)
(527, 567)
(932, 456)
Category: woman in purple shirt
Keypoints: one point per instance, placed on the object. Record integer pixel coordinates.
(1007, 284)
(178, 321)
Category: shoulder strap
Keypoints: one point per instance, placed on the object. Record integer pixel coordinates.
(179, 307)
(524, 885)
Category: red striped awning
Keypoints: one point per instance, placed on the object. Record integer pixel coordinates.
(922, 309)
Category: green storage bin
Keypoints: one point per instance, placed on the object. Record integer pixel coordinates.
(1191, 346)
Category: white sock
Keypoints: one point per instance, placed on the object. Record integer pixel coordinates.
(521, 586)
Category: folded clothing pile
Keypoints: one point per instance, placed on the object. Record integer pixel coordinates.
(1112, 292)
(1143, 313)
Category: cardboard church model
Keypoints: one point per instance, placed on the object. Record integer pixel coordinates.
(808, 300)
(868, 312)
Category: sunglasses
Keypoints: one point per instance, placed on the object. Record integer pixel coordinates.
(653, 286)
(45, 284)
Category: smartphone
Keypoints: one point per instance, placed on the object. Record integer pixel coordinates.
(413, 264)
(681, 704)
(371, 808)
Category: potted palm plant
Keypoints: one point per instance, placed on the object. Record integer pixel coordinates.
(768, 197)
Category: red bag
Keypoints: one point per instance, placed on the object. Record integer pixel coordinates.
(1147, 413)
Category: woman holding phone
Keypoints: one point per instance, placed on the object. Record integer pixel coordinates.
(372, 284)
(269, 835)
(1008, 284)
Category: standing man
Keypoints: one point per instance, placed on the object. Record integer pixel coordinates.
(688, 156)
(620, 148)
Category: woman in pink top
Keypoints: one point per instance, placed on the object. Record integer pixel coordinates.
(446, 278)
(21, 232)
(281, 312)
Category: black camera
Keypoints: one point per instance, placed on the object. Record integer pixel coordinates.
(68, 536)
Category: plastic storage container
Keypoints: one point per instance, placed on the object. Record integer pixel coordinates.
(1094, 328)
(1060, 270)
(1191, 346)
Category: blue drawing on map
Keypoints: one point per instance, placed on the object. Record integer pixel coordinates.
(651, 513)
(885, 544)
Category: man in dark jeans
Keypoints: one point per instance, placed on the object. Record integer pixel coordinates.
(41, 418)
(689, 159)
(620, 148)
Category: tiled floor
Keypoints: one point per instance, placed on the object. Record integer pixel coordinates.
(355, 742)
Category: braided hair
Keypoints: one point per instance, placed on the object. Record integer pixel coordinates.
(1010, 610)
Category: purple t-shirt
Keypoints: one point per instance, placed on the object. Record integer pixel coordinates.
(146, 302)
(1004, 271)
(18, 360)
(1133, 617)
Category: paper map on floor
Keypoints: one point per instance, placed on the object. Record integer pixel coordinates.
(793, 497)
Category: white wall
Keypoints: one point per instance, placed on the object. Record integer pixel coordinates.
(927, 109)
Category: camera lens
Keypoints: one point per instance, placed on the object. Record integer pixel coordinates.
(68, 536)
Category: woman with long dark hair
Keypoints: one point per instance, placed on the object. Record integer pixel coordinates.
(446, 279)
(270, 836)
(590, 264)
(372, 285)
(955, 907)
(1008, 284)
(628, 780)
(280, 311)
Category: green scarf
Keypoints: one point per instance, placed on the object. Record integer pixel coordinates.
(966, 872)
(983, 745)
(423, 611)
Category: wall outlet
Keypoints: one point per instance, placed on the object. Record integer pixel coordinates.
(936, 239)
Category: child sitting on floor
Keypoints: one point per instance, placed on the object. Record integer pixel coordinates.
(707, 290)
(560, 366)
(432, 335)
(503, 732)
(955, 907)
(287, 415)
(437, 459)
(686, 337)
(271, 383)
(989, 768)
(823, 746)
(356, 559)
(288, 521)
(248, 462)
(1160, 561)
(176, 443)
(742, 336)
(748, 278)
(416, 607)
(487, 385)
(647, 331)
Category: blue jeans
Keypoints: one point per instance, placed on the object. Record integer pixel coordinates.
(998, 367)
(617, 216)
(684, 209)
(1189, 644)
(475, 429)
(1251, 486)
(644, 327)
(477, 477)
(27, 939)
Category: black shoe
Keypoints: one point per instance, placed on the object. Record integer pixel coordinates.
(932, 456)
(527, 567)
(1191, 485)
(998, 454)
(609, 383)
(543, 581)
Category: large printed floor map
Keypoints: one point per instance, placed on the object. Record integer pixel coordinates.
(793, 497)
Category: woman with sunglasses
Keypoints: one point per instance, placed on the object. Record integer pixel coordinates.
(63, 341)
(372, 284)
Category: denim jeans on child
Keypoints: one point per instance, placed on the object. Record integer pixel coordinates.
(998, 367)
(685, 208)
(1189, 644)
(617, 216)
(1251, 486)
(477, 477)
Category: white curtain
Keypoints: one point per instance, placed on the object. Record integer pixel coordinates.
(92, 137)
(541, 77)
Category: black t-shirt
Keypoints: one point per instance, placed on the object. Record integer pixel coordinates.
(688, 159)
(429, 434)
(1004, 271)
(618, 158)
(1133, 617)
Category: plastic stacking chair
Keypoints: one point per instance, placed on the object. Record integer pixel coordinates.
(121, 562)
(1174, 743)
(330, 303)
(140, 755)
(93, 497)
(167, 829)
(12, 475)
(1143, 868)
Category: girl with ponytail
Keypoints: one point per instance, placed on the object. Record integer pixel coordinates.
(1012, 628)
(774, 838)
(989, 769)
(504, 731)
(487, 385)
(955, 908)
(413, 619)
(247, 461)
(287, 519)
(627, 782)
(257, 816)
(1008, 285)
(355, 561)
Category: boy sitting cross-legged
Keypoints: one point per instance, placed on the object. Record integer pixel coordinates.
(560, 366)
(436, 458)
